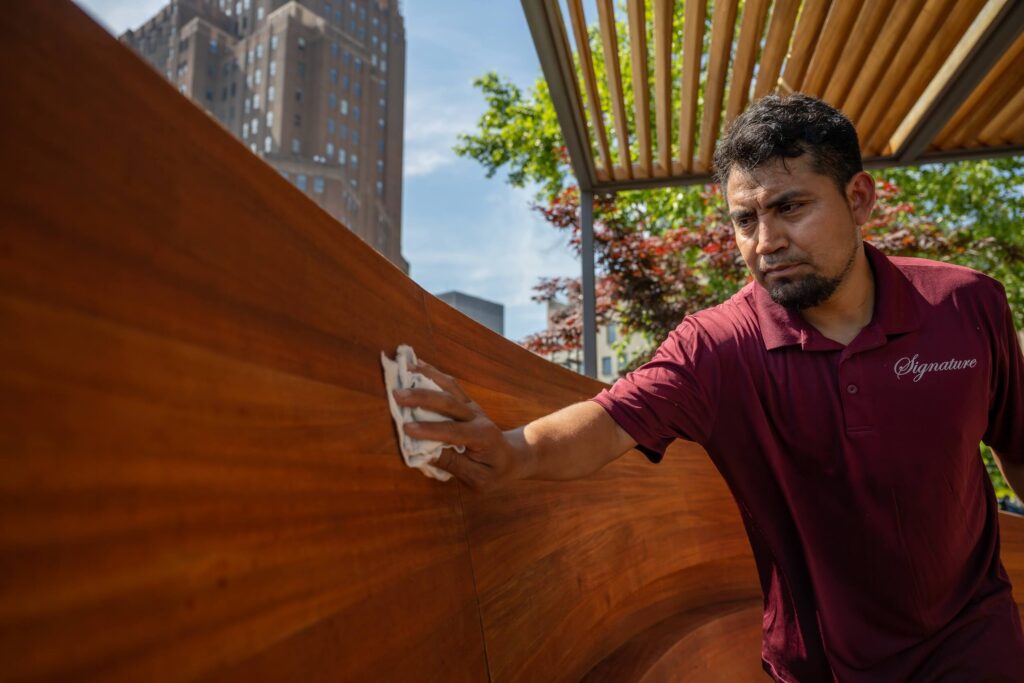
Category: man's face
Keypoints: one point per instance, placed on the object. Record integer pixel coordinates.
(798, 233)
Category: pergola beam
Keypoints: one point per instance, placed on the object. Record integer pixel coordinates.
(990, 36)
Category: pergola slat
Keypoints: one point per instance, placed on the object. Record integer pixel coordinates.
(641, 92)
(912, 49)
(1001, 93)
(808, 28)
(921, 71)
(780, 30)
(879, 58)
(835, 35)
(751, 29)
(953, 135)
(610, 41)
(723, 23)
(976, 53)
(869, 25)
(663, 13)
(693, 48)
(996, 132)
(586, 61)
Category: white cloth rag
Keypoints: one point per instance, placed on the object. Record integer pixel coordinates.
(418, 453)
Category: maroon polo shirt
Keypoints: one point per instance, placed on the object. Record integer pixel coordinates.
(856, 469)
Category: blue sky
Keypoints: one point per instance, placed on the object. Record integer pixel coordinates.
(459, 230)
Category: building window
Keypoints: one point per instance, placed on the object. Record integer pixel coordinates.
(256, 101)
(318, 184)
(273, 43)
(332, 101)
(300, 181)
(606, 365)
(335, 50)
(255, 126)
(330, 150)
(383, 65)
(380, 188)
(301, 66)
(301, 42)
(232, 88)
(213, 46)
(611, 334)
(341, 156)
(344, 132)
(298, 120)
(296, 146)
(268, 144)
(245, 130)
(347, 58)
(359, 65)
(330, 126)
(259, 76)
(354, 161)
(334, 76)
(344, 82)
(355, 113)
(259, 51)
(270, 119)
(298, 95)
(355, 137)
(380, 166)
(343, 107)
(259, 13)
(380, 123)
(270, 94)
(272, 69)
(248, 57)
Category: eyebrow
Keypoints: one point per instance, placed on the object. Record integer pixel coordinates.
(777, 201)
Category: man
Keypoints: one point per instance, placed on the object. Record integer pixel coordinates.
(842, 395)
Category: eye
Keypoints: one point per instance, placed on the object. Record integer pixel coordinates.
(789, 207)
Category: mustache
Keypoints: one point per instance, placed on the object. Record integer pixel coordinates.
(774, 264)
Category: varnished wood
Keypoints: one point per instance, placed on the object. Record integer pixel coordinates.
(613, 73)
(749, 42)
(922, 72)
(723, 25)
(693, 48)
(641, 89)
(862, 42)
(805, 41)
(835, 35)
(586, 62)
(780, 30)
(199, 478)
(879, 59)
(663, 34)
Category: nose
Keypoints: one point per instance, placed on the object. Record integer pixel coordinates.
(770, 236)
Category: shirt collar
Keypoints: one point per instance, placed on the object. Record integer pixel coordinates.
(896, 310)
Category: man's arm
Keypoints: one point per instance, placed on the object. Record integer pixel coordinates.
(571, 443)
(1013, 473)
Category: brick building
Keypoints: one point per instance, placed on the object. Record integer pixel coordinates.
(315, 88)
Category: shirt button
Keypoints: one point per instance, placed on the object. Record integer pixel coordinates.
(851, 388)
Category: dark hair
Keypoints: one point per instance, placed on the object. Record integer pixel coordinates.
(776, 127)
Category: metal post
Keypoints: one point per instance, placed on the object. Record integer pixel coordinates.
(587, 282)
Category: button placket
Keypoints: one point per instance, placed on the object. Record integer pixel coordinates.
(852, 394)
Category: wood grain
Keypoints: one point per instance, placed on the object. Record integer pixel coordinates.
(199, 478)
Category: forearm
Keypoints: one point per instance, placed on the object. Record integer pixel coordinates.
(569, 444)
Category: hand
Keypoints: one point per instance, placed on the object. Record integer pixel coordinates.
(490, 458)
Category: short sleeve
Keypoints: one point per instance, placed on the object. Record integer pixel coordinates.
(1005, 432)
(674, 396)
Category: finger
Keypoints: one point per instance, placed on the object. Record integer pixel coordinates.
(437, 401)
(446, 382)
(455, 433)
(466, 470)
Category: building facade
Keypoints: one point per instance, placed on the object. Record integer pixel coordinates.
(487, 313)
(315, 88)
(614, 351)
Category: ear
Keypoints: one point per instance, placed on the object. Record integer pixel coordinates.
(860, 196)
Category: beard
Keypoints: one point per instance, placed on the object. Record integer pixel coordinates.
(809, 291)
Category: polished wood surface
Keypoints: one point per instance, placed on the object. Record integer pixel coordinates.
(199, 477)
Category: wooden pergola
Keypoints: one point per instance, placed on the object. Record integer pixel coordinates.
(922, 80)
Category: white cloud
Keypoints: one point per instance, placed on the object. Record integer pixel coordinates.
(433, 119)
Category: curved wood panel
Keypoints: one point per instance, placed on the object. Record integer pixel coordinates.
(199, 478)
